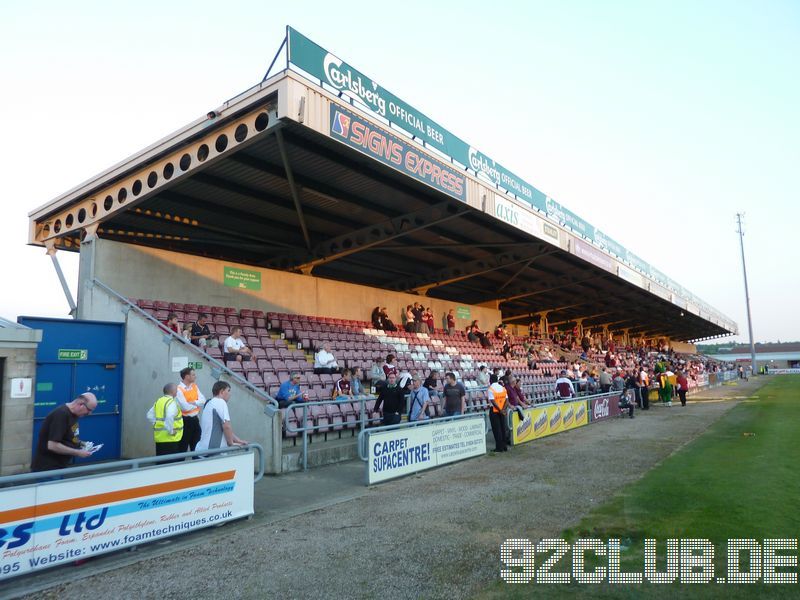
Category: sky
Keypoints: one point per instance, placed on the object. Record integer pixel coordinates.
(656, 122)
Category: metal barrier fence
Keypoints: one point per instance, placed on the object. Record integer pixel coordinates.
(172, 336)
(132, 464)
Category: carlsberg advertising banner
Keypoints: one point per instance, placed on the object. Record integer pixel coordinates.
(318, 62)
(332, 71)
(62, 521)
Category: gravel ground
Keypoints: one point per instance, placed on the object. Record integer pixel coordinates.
(434, 535)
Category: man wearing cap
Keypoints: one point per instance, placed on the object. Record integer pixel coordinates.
(59, 436)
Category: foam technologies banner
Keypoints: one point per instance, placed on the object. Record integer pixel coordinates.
(62, 521)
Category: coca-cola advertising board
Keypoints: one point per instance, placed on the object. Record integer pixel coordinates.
(604, 407)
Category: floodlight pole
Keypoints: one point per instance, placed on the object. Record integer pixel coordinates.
(740, 231)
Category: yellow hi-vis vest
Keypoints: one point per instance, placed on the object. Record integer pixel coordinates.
(160, 433)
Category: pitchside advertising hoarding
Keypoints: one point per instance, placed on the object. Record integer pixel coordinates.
(407, 450)
(604, 407)
(62, 521)
(548, 420)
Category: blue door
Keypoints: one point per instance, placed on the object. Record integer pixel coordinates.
(76, 357)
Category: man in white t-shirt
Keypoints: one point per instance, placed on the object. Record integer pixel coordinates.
(235, 348)
(325, 361)
(215, 422)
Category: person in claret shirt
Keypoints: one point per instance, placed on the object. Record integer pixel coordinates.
(389, 366)
(172, 323)
(451, 322)
(342, 389)
(427, 317)
(683, 386)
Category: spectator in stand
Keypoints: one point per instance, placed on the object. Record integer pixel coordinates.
(586, 342)
(611, 360)
(392, 396)
(410, 325)
(591, 382)
(58, 436)
(483, 376)
(357, 382)
(506, 351)
(454, 396)
(427, 317)
(419, 322)
(516, 397)
(388, 324)
(618, 381)
(325, 361)
(451, 322)
(605, 380)
(190, 400)
(165, 417)
(419, 400)
(683, 386)
(200, 333)
(342, 390)
(390, 366)
(484, 339)
(564, 387)
(290, 393)
(215, 423)
(377, 318)
(172, 323)
(472, 332)
(376, 373)
(235, 348)
(431, 383)
(495, 376)
(498, 396)
(499, 332)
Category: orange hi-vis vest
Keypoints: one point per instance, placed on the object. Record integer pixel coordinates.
(500, 398)
(191, 395)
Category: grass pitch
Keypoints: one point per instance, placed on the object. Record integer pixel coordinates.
(738, 480)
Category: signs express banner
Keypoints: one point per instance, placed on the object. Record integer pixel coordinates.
(408, 450)
(62, 521)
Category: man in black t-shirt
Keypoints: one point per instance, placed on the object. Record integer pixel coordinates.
(201, 334)
(59, 437)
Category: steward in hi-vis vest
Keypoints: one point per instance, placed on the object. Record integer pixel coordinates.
(165, 416)
(191, 401)
(498, 395)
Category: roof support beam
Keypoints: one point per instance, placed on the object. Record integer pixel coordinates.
(461, 271)
(292, 187)
(367, 237)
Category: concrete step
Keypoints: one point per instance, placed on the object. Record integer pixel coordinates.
(319, 453)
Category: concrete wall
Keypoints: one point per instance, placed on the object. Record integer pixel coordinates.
(16, 414)
(142, 272)
(148, 366)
